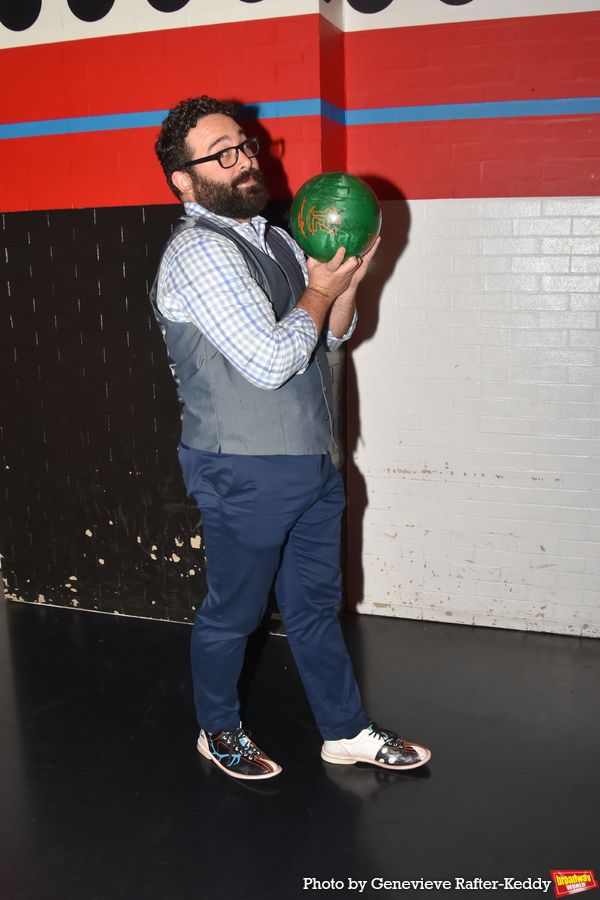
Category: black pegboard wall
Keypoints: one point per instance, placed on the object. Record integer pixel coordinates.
(93, 509)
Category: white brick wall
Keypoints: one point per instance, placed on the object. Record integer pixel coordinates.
(474, 382)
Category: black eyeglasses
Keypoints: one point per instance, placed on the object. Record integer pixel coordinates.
(227, 158)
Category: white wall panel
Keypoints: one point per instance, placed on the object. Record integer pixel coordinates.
(474, 420)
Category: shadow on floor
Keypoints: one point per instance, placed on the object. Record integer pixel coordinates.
(104, 797)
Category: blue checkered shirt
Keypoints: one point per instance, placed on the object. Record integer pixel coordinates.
(204, 279)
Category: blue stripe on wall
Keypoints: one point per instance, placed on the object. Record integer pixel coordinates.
(570, 106)
(282, 109)
(83, 123)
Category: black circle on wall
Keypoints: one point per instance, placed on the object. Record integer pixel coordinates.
(21, 15)
(90, 10)
(369, 6)
(456, 2)
(168, 5)
(250, 1)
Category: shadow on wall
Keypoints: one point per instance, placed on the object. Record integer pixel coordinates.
(394, 239)
(270, 159)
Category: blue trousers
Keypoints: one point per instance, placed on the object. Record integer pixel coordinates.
(270, 519)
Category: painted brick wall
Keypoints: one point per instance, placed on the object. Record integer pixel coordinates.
(501, 108)
(473, 416)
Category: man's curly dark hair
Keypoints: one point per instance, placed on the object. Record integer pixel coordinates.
(171, 145)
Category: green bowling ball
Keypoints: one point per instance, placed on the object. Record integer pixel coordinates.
(335, 210)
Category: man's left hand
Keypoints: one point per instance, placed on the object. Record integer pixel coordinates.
(342, 311)
(363, 266)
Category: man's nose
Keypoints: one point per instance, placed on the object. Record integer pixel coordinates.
(245, 162)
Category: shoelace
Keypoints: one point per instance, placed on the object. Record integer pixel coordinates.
(234, 740)
(390, 737)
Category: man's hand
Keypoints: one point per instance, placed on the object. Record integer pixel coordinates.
(342, 310)
(329, 281)
(331, 278)
(363, 265)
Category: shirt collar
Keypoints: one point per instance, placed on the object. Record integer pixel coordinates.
(194, 209)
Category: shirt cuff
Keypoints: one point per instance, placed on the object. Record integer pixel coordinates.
(334, 342)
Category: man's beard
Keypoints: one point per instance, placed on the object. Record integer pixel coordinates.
(227, 199)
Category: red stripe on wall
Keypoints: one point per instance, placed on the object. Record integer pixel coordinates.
(528, 157)
(467, 62)
(532, 157)
(299, 57)
(265, 60)
(119, 168)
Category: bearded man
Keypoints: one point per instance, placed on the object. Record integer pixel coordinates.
(247, 320)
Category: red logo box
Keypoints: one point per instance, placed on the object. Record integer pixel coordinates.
(572, 881)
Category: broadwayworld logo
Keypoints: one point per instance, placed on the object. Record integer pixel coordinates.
(572, 881)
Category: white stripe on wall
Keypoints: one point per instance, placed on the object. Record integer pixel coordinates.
(403, 13)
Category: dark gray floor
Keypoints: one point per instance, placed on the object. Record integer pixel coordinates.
(104, 797)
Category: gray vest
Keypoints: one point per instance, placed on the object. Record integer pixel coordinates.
(222, 411)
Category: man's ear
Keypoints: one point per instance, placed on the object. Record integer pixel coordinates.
(182, 182)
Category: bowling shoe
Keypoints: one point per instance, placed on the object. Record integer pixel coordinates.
(236, 754)
(378, 747)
